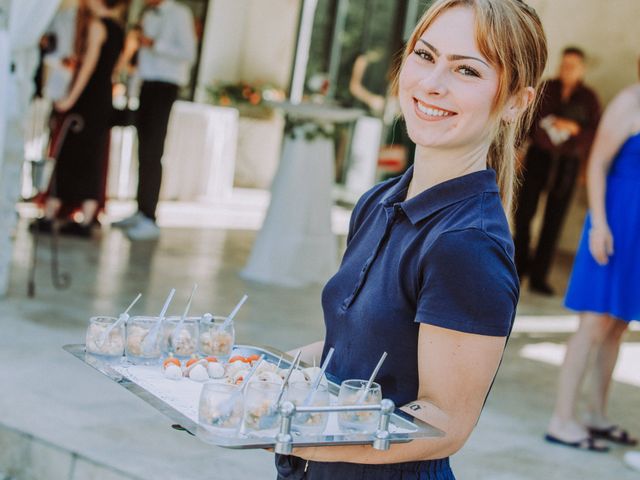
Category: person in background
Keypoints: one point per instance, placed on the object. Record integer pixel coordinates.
(561, 138)
(368, 83)
(166, 52)
(80, 167)
(605, 281)
(428, 274)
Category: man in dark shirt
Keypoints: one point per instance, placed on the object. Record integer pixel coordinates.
(561, 137)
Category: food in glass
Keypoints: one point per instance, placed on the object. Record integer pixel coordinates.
(221, 407)
(216, 338)
(138, 351)
(260, 409)
(99, 343)
(267, 376)
(312, 373)
(300, 394)
(352, 392)
(185, 343)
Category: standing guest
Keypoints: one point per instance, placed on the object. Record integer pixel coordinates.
(428, 274)
(80, 168)
(561, 138)
(605, 281)
(167, 50)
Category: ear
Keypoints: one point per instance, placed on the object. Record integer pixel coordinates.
(518, 104)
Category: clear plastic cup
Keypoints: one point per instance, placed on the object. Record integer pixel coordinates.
(309, 423)
(137, 330)
(216, 339)
(218, 412)
(352, 392)
(110, 346)
(260, 410)
(186, 343)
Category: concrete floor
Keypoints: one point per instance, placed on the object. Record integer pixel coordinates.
(59, 419)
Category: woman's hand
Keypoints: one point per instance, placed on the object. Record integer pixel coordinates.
(64, 105)
(601, 243)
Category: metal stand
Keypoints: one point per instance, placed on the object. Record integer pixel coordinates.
(381, 438)
(43, 182)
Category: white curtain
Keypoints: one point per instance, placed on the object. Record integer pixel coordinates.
(23, 24)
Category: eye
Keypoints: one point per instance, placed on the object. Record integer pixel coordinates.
(468, 71)
(424, 54)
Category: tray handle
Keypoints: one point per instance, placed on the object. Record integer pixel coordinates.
(381, 439)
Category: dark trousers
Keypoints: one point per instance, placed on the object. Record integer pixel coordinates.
(537, 169)
(156, 100)
(294, 468)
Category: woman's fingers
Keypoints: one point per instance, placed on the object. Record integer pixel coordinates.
(601, 245)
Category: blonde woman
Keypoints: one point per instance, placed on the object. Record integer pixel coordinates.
(428, 275)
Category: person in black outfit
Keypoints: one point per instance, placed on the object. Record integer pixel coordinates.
(80, 169)
(561, 137)
(167, 50)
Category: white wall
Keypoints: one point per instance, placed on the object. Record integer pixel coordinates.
(608, 31)
(609, 34)
(250, 40)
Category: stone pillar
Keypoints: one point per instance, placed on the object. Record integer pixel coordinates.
(22, 24)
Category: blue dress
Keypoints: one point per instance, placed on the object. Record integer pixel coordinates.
(613, 288)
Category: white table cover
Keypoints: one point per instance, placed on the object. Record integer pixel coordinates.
(200, 152)
(296, 246)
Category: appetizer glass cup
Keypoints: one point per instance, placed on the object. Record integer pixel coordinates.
(309, 423)
(186, 342)
(218, 412)
(137, 330)
(260, 409)
(216, 339)
(111, 346)
(352, 392)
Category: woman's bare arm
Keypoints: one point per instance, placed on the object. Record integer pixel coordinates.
(614, 128)
(97, 35)
(455, 370)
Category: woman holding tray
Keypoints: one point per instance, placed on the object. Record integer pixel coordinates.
(428, 273)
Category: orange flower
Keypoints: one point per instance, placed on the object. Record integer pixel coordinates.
(255, 98)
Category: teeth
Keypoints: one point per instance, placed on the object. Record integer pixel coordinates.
(432, 112)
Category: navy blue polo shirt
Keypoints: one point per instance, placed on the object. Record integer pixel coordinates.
(444, 257)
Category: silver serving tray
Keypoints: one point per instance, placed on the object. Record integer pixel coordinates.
(403, 428)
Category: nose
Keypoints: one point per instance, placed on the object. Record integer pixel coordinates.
(434, 82)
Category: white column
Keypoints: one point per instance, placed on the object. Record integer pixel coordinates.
(27, 21)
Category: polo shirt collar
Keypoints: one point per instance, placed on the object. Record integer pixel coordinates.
(439, 196)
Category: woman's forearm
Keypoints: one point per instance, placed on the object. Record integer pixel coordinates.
(417, 450)
(596, 190)
(88, 63)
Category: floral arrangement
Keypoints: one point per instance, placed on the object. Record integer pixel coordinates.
(249, 99)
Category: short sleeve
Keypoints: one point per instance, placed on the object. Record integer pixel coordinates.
(469, 284)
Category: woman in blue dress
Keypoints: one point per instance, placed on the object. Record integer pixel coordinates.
(605, 282)
(428, 274)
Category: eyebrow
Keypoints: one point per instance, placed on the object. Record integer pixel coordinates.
(453, 56)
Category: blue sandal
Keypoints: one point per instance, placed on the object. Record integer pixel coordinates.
(587, 444)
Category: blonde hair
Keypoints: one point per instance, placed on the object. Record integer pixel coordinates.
(510, 36)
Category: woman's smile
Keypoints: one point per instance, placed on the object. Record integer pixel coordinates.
(430, 112)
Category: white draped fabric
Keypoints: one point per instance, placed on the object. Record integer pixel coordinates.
(20, 32)
(296, 246)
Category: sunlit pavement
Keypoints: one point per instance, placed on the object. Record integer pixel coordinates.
(60, 419)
